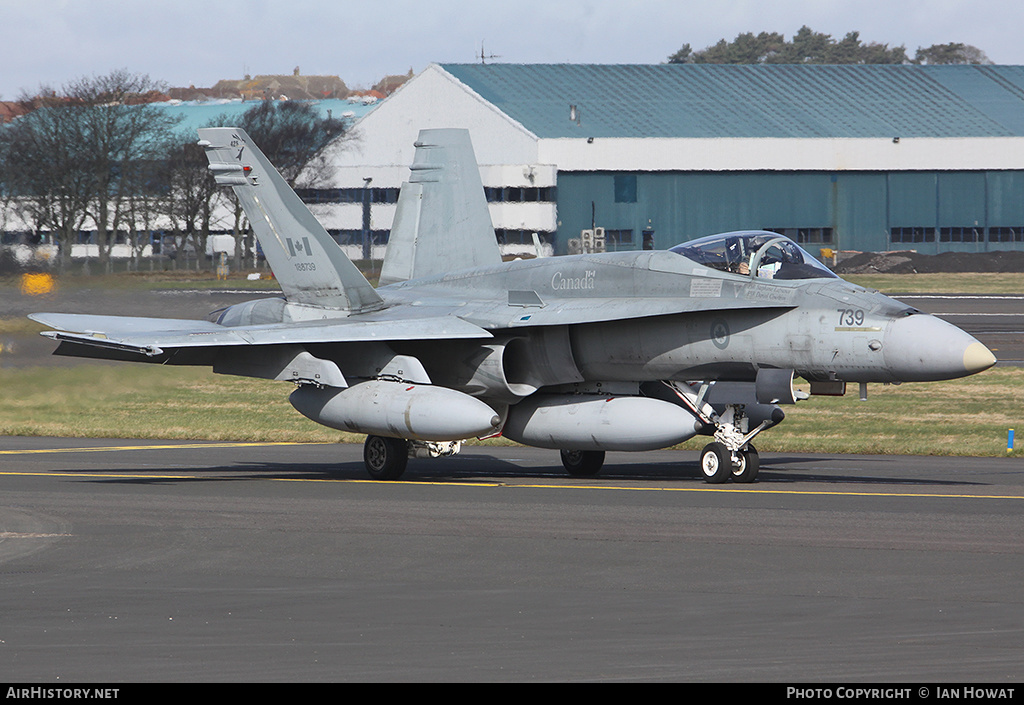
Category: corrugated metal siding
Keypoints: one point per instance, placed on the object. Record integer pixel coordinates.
(1004, 198)
(912, 199)
(960, 200)
(861, 208)
(680, 100)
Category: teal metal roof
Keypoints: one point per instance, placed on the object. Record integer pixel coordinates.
(195, 114)
(703, 100)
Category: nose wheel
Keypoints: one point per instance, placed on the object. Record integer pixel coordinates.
(750, 462)
(718, 464)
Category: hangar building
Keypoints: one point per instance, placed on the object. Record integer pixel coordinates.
(929, 158)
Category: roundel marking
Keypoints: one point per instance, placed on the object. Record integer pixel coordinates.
(720, 333)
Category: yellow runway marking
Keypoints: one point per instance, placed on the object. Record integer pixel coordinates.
(100, 449)
(512, 485)
(742, 490)
(750, 490)
(119, 476)
(446, 483)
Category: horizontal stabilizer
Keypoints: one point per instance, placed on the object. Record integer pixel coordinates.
(120, 325)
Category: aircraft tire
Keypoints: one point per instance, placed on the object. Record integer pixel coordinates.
(582, 463)
(715, 463)
(385, 458)
(747, 471)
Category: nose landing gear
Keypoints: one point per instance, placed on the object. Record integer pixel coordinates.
(718, 463)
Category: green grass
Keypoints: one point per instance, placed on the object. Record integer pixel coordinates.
(20, 325)
(961, 417)
(137, 401)
(947, 283)
(969, 416)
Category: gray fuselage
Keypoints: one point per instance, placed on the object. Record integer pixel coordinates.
(641, 316)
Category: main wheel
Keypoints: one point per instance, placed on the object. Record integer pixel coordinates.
(716, 463)
(582, 463)
(385, 458)
(747, 471)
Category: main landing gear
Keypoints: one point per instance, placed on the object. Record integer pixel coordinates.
(582, 463)
(385, 458)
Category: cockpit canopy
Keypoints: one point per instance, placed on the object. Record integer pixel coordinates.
(755, 253)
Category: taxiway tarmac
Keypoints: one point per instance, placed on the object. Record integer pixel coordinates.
(135, 560)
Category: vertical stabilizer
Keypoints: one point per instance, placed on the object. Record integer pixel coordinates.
(307, 262)
(442, 221)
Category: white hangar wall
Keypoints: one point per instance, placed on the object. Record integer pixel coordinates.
(785, 154)
(381, 147)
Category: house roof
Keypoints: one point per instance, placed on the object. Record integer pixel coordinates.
(706, 101)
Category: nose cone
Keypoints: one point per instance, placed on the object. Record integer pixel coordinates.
(923, 348)
(977, 358)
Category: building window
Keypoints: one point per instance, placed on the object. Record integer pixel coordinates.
(1006, 234)
(625, 188)
(961, 234)
(507, 236)
(494, 194)
(911, 235)
(813, 236)
(517, 194)
(346, 195)
(355, 237)
(618, 237)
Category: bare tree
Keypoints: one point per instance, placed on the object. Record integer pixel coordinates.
(145, 207)
(47, 168)
(78, 155)
(122, 134)
(290, 133)
(191, 191)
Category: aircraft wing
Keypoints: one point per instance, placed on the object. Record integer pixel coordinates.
(153, 336)
(603, 310)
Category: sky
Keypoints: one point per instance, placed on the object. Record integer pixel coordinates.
(198, 42)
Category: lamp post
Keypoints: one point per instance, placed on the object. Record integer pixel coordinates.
(367, 244)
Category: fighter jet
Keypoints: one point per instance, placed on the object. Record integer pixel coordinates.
(623, 351)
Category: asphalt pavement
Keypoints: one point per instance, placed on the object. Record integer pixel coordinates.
(148, 561)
